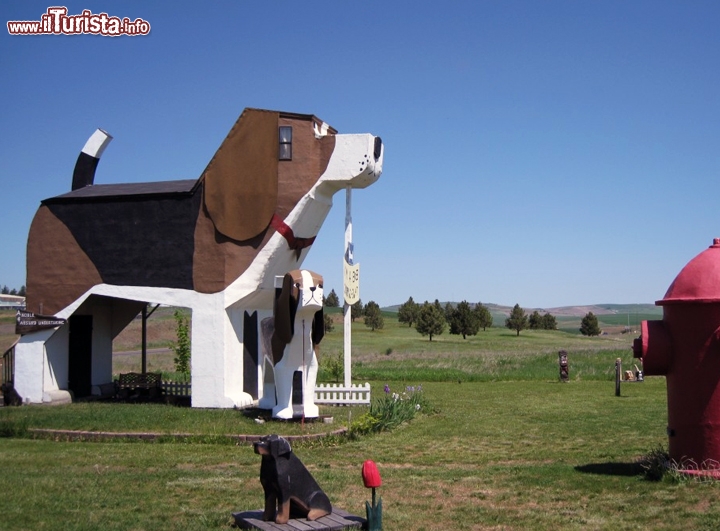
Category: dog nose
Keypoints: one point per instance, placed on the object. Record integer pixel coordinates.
(377, 150)
(312, 289)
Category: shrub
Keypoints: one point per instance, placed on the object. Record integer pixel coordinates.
(182, 346)
(334, 366)
(391, 410)
(655, 464)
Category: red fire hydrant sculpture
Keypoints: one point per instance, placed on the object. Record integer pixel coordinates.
(685, 347)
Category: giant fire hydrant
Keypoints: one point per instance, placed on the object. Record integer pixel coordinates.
(685, 347)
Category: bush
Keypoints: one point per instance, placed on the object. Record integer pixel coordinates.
(655, 464)
(182, 347)
(391, 410)
(333, 366)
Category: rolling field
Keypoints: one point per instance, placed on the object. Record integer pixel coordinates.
(505, 447)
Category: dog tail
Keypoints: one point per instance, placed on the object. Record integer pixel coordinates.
(84, 173)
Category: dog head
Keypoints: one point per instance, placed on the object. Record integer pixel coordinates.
(272, 446)
(307, 289)
(270, 160)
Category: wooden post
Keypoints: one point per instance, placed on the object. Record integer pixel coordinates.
(618, 375)
(564, 370)
(145, 316)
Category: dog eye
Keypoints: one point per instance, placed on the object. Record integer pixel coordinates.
(297, 284)
(320, 286)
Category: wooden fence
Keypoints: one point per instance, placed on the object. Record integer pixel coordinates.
(339, 395)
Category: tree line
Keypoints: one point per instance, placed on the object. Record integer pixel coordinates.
(432, 319)
(7, 291)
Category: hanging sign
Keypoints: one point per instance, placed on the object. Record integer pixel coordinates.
(26, 322)
(351, 283)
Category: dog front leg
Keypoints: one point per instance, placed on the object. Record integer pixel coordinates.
(283, 389)
(309, 406)
(284, 513)
(270, 506)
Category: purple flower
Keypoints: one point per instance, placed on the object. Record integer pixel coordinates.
(387, 389)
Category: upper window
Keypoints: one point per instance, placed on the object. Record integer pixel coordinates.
(285, 139)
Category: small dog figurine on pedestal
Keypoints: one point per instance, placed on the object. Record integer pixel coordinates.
(289, 488)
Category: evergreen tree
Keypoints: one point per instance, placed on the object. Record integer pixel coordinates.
(373, 316)
(431, 320)
(5, 290)
(589, 325)
(464, 321)
(485, 319)
(332, 300)
(535, 321)
(449, 313)
(356, 310)
(549, 322)
(408, 312)
(518, 320)
(22, 291)
(328, 323)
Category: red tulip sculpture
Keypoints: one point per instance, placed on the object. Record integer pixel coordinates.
(372, 480)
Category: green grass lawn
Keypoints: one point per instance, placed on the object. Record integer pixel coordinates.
(508, 448)
(497, 455)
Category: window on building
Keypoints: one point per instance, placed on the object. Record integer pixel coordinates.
(285, 138)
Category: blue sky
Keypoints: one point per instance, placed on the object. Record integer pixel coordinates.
(546, 153)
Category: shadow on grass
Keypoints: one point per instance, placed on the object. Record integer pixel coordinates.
(612, 469)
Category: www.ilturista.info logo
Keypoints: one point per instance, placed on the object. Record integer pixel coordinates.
(56, 21)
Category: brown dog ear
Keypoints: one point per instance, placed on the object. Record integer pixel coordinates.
(318, 327)
(241, 187)
(284, 318)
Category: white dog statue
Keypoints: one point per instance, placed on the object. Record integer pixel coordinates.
(290, 338)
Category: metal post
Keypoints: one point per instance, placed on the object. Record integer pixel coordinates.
(144, 339)
(347, 309)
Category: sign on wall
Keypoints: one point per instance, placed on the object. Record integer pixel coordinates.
(351, 283)
(26, 322)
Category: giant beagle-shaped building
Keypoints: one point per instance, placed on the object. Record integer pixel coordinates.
(99, 253)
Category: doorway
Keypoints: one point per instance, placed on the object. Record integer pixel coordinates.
(80, 355)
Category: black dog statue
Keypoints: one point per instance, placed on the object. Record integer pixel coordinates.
(290, 490)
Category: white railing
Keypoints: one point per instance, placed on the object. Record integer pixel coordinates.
(176, 388)
(340, 395)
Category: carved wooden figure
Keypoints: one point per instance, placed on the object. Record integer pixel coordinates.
(290, 490)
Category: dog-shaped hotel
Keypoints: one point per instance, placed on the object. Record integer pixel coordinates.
(98, 254)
